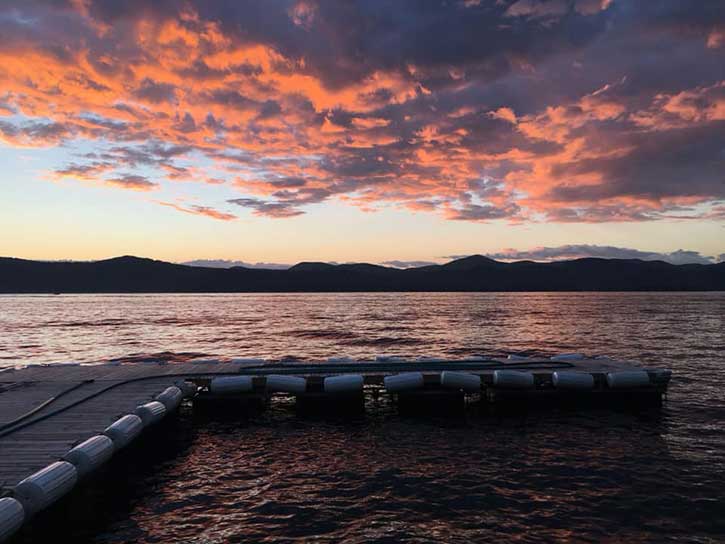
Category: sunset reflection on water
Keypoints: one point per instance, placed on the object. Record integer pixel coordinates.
(281, 476)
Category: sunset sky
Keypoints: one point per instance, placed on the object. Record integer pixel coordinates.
(382, 131)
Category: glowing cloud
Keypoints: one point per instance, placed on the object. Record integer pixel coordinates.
(518, 111)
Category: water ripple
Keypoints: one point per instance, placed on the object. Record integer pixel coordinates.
(280, 477)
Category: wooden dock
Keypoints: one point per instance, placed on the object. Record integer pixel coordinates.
(122, 388)
(47, 410)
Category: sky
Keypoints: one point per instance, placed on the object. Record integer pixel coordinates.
(397, 131)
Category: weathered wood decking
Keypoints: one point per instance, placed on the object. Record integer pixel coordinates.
(34, 447)
(120, 388)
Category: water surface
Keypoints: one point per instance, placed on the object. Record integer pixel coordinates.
(280, 477)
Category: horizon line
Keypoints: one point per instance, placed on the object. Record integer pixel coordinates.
(386, 264)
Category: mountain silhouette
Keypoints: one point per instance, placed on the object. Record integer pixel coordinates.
(130, 274)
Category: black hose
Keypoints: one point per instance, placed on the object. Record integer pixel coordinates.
(43, 405)
(6, 432)
(320, 368)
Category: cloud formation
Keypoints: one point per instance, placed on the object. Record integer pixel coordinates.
(205, 211)
(514, 110)
(227, 263)
(408, 264)
(132, 181)
(559, 253)
(566, 252)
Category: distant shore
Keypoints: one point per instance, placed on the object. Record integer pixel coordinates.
(471, 274)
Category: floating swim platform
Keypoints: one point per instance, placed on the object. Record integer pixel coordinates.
(61, 423)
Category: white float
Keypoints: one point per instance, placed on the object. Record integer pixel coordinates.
(125, 430)
(151, 412)
(91, 454)
(572, 380)
(170, 397)
(563, 357)
(513, 379)
(407, 381)
(279, 383)
(43, 488)
(628, 379)
(229, 385)
(470, 383)
(349, 384)
(12, 517)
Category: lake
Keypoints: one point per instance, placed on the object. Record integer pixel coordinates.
(531, 477)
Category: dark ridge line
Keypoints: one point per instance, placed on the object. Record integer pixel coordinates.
(128, 274)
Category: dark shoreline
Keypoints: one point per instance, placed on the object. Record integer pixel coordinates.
(471, 274)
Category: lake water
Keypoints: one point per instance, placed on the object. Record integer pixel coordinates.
(280, 477)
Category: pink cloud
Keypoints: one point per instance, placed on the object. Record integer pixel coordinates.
(488, 129)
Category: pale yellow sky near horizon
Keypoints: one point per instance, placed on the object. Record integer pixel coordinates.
(82, 222)
(334, 133)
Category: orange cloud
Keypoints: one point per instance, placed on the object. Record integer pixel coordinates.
(188, 97)
(133, 182)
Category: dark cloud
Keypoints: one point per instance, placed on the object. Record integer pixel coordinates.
(154, 92)
(7, 107)
(303, 195)
(678, 16)
(270, 108)
(487, 212)
(604, 252)
(149, 154)
(84, 171)
(678, 162)
(344, 42)
(105, 123)
(558, 110)
(408, 264)
(132, 181)
(231, 98)
(36, 133)
(550, 10)
(367, 163)
(225, 263)
(289, 182)
(186, 123)
(602, 214)
(270, 209)
(109, 10)
(205, 211)
(200, 70)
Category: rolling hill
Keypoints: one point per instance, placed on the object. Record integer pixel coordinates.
(476, 273)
